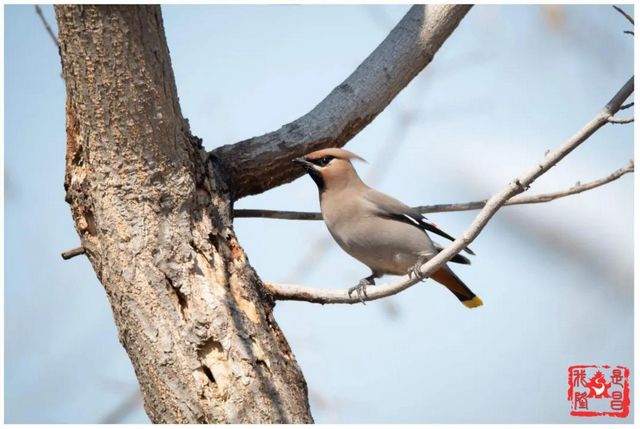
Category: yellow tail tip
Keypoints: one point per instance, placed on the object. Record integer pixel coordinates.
(473, 303)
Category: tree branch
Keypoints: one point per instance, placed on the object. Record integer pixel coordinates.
(261, 163)
(621, 120)
(47, 26)
(455, 207)
(518, 185)
(625, 14)
(73, 253)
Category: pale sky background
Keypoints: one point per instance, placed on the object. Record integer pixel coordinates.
(511, 82)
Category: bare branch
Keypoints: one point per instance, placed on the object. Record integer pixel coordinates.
(456, 207)
(47, 26)
(73, 253)
(629, 32)
(533, 199)
(261, 163)
(620, 120)
(518, 185)
(626, 106)
(625, 14)
(276, 214)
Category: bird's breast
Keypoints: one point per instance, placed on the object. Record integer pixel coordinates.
(385, 246)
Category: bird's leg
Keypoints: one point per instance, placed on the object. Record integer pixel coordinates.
(361, 287)
(415, 270)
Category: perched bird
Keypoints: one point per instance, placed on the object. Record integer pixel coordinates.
(381, 232)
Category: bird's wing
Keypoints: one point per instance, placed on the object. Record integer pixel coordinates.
(391, 208)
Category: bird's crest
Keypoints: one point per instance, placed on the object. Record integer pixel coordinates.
(334, 152)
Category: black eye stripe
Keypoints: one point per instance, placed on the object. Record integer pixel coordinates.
(322, 161)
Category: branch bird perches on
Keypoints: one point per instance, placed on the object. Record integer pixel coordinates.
(493, 204)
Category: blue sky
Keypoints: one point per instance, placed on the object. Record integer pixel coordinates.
(556, 279)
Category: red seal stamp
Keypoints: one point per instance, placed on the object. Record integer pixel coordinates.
(599, 390)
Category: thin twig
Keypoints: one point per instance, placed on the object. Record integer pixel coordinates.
(625, 14)
(534, 199)
(335, 296)
(47, 27)
(626, 106)
(629, 32)
(73, 253)
(456, 207)
(621, 120)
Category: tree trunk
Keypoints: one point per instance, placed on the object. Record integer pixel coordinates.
(154, 215)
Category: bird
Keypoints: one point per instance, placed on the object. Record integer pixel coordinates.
(378, 230)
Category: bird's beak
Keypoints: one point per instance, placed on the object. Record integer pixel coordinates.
(312, 170)
(304, 163)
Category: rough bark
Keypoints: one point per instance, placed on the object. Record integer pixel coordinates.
(154, 216)
(261, 163)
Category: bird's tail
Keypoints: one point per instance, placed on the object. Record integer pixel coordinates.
(448, 278)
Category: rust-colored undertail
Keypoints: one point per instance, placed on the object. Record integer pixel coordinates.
(446, 277)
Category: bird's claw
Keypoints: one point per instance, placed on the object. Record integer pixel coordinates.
(361, 289)
(416, 272)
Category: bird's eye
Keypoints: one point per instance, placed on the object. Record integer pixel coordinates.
(324, 160)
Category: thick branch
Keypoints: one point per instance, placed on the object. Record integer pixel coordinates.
(261, 163)
(519, 185)
(455, 207)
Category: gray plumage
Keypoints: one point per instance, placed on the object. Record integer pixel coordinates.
(385, 245)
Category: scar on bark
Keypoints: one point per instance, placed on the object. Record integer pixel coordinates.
(180, 297)
(213, 361)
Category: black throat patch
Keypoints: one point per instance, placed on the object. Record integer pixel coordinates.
(317, 177)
